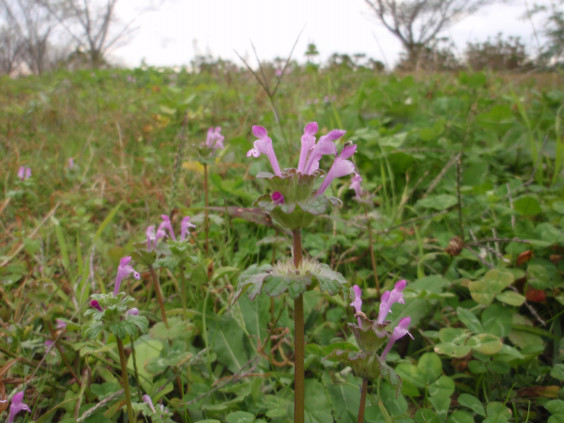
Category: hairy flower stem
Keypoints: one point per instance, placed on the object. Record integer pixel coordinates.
(159, 293)
(206, 204)
(362, 404)
(299, 339)
(371, 248)
(125, 378)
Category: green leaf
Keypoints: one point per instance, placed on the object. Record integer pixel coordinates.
(426, 415)
(460, 417)
(430, 367)
(527, 206)
(329, 280)
(497, 320)
(520, 337)
(473, 403)
(511, 297)
(240, 417)
(252, 280)
(493, 282)
(557, 372)
(437, 202)
(177, 328)
(555, 407)
(485, 343)
(469, 319)
(317, 407)
(497, 413)
(443, 386)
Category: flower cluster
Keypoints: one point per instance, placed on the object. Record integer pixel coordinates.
(293, 202)
(214, 139)
(365, 328)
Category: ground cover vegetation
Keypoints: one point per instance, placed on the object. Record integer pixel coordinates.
(142, 281)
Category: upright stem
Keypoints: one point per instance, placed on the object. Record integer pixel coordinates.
(372, 256)
(206, 217)
(159, 293)
(125, 379)
(362, 404)
(299, 338)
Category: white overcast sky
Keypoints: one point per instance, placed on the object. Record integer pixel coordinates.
(179, 29)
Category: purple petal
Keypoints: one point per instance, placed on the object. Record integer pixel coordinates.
(17, 406)
(95, 304)
(389, 299)
(277, 197)
(357, 303)
(185, 226)
(60, 324)
(399, 332)
(259, 131)
(308, 141)
(132, 311)
(124, 270)
(147, 400)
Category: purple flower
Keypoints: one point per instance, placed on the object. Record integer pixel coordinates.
(355, 184)
(264, 146)
(49, 344)
(399, 332)
(61, 325)
(24, 173)
(277, 197)
(95, 304)
(132, 312)
(71, 163)
(278, 72)
(341, 167)
(147, 400)
(166, 224)
(185, 226)
(389, 298)
(357, 303)
(124, 270)
(325, 146)
(308, 141)
(153, 237)
(17, 406)
(214, 139)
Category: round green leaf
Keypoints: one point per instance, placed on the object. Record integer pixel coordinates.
(527, 206)
(473, 403)
(511, 297)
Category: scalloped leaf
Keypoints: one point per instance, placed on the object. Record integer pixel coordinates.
(251, 280)
(330, 281)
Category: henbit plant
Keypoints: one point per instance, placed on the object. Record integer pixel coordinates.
(112, 313)
(207, 153)
(293, 203)
(370, 335)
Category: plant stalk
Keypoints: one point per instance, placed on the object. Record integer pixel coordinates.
(361, 406)
(299, 338)
(159, 293)
(372, 256)
(125, 378)
(206, 204)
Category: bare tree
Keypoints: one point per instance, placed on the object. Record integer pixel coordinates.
(416, 23)
(92, 24)
(29, 29)
(11, 47)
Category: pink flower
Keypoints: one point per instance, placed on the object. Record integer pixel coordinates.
(24, 173)
(95, 304)
(153, 237)
(389, 298)
(357, 303)
(17, 406)
(277, 197)
(278, 72)
(185, 226)
(399, 332)
(124, 270)
(340, 167)
(132, 312)
(355, 184)
(214, 139)
(166, 224)
(325, 146)
(71, 163)
(147, 400)
(308, 141)
(264, 146)
(61, 325)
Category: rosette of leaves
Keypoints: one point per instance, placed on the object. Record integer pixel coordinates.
(299, 203)
(113, 317)
(284, 277)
